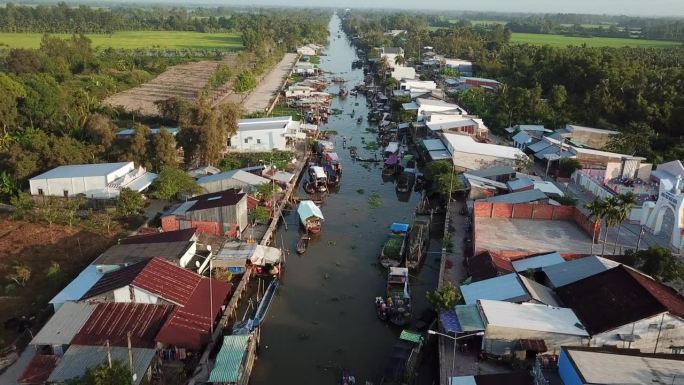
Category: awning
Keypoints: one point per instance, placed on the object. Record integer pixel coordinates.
(392, 147)
(410, 336)
(399, 227)
(392, 160)
(229, 359)
(450, 322)
(538, 346)
(308, 209)
(469, 318)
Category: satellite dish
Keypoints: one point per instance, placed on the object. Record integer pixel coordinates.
(197, 264)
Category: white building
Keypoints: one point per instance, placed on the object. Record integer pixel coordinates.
(465, 67)
(670, 202)
(506, 324)
(427, 106)
(410, 84)
(467, 154)
(103, 180)
(263, 134)
(401, 72)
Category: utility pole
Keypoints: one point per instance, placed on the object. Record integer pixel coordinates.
(109, 355)
(130, 354)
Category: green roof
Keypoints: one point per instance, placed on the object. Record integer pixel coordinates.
(229, 359)
(410, 336)
(469, 318)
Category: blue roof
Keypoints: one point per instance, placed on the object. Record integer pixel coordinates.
(78, 287)
(450, 322)
(229, 359)
(399, 227)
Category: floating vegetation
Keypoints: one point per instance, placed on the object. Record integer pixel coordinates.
(360, 191)
(328, 133)
(336, 111)
(374, 200)
(372, 130)
(371, 146)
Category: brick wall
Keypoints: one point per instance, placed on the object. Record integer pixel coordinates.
(533, 211)
(170, 223)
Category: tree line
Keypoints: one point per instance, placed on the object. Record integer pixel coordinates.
(637, 91)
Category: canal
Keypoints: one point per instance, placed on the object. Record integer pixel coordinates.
(323, 318)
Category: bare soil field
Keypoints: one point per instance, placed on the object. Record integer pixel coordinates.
(182, 81)
(39, 247)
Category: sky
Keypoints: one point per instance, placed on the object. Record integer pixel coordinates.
(614, 7)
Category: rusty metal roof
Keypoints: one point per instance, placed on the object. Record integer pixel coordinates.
(113, 321)
(38, 369)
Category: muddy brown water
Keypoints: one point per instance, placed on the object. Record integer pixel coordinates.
(323, 318)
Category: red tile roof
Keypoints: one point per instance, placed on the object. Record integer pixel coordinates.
(38, 370)
(617, 297)
(112, 321)
(163, 237)
(189, 326)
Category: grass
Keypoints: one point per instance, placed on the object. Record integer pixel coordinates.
(137, 39)
(563, 41)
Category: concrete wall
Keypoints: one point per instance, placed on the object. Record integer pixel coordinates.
(131, 294)
(259, 140)
(647, 329)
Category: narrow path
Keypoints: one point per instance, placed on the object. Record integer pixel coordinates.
(260, 99)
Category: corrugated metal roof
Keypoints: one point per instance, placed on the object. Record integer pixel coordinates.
(128, 254)
(536, 147)
(229, 359)
(64, 324)
(115, 279)
(113, 321)
(576, 269)
(169, 281)
(433, 145)
(240, 175)
(518, 197)
(538, 261)
(189, 326)
(469, 318)
(274, 123)
(78, 287)
(82, 170)
(518, 183)
(38, 369)
(466, 144)
(223, 198)
(527, 316)
(492, 171)
(505, 287)
(78, 359)
(163, 237)
(539, 292)
(410, 336)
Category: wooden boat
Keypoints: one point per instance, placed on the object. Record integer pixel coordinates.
(391, 166)
(310, 216)
(359, 120)
(403, 363)
(338, 79)
(265, 302)
(418, 241)
(303, 244)
(396, 306)
(393, 250)
(343, 91)
(318, 177)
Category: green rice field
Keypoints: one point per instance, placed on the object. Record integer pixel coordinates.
(137, 39)
(562, 41)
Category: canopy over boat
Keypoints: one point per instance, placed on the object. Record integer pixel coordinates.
(325, 146)
(399, 227)
(399, 271)
(392, 147)
(235, 254)
(308, 209)
(392, 160)
(332, 157)
(329, 170)
(318, 171)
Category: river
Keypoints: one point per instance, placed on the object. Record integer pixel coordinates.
(323, 318)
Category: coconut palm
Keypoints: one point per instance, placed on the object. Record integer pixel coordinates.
(400, 60)
(383, 66)
(597, 210)
(612, 217)
(624, 208)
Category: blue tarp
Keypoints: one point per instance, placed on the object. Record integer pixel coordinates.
(449, 321)
(399, 227)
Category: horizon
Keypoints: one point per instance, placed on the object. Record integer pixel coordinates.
(630, 8)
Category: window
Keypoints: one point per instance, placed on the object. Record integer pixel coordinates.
(653, 326)
(258, 141)
(669, 326)
(40, 191)
(66, 193)
(247, 140)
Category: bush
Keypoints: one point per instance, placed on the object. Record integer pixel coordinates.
(444, 298)
(245, 82)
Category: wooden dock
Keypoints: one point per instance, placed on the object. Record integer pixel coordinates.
(229, 314)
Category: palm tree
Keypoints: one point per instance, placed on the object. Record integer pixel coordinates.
(612, 216)
(597, 210)
(624, 208)
(383, 66)
(400, 60)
